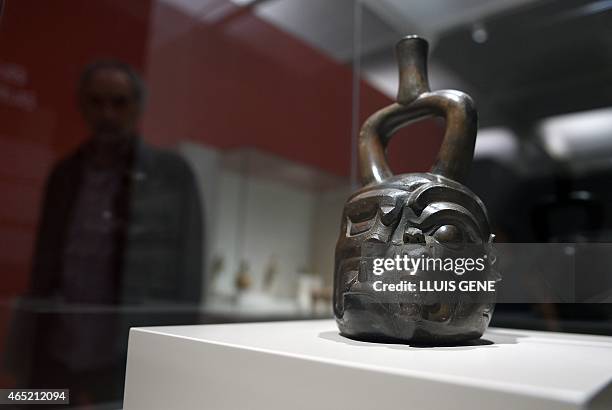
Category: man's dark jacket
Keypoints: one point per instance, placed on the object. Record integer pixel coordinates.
(159, 254)
(160, 250)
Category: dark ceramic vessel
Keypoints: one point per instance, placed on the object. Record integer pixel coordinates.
(420, 215)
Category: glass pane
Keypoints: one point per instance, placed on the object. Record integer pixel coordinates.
(542, 155)
(165, 162)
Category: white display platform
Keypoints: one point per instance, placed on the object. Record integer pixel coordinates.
(307, 365)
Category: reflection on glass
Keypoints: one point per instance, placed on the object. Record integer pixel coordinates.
(121, 225)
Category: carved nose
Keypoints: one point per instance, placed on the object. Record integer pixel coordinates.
(413, 235)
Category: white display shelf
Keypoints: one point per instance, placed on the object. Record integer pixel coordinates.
(308, 365)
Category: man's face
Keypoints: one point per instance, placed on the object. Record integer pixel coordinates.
(109, 105)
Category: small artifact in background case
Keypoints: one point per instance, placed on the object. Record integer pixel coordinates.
(419, 215)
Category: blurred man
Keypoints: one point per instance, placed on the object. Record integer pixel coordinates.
(121, 226)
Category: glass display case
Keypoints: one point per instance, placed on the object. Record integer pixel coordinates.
(272, 221)
(177, 162)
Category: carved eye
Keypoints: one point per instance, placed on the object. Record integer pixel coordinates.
(362, 216)
(450, 236)
(360, 227)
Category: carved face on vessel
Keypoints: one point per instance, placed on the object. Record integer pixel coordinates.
(421, 216)
(424, 215)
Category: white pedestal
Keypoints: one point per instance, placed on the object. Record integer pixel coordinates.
(307, 365)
